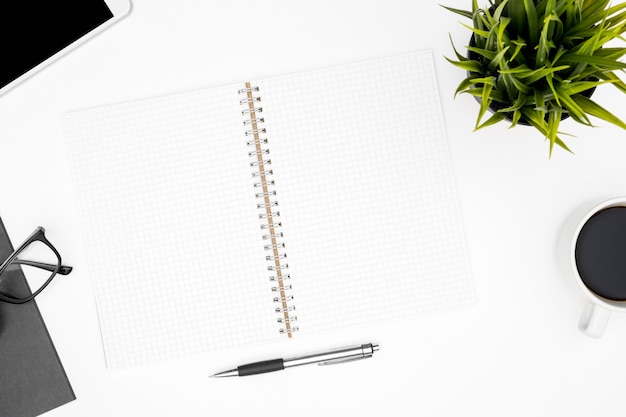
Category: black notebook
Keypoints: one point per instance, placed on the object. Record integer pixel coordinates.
(32, 379)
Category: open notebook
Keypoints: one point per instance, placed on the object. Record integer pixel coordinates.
(269, 209)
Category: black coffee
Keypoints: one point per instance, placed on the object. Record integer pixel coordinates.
(601, 253)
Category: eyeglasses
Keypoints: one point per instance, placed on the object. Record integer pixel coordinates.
(43, 262)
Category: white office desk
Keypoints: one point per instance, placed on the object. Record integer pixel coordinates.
(518, 353)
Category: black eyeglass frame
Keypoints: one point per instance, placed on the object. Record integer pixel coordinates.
(58, 268)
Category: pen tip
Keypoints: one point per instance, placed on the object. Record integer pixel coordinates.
(232, 372)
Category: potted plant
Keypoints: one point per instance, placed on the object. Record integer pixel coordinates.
(536, 62)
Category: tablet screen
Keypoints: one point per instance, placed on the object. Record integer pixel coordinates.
(32, 31)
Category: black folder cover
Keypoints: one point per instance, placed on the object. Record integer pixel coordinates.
(32, 379)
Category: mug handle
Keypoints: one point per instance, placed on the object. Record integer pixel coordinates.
(593, 320)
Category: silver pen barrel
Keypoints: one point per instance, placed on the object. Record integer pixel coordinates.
(341, 355)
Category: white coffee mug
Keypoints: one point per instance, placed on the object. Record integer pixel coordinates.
(596, 313)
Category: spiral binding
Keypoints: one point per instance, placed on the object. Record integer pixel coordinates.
(269, 216)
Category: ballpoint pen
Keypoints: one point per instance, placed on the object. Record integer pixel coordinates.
(341, 355)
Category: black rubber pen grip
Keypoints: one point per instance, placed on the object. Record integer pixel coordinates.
(261, 367)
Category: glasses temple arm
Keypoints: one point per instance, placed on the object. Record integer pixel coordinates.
(63, 270)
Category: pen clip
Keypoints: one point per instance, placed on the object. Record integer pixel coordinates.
(343, 360)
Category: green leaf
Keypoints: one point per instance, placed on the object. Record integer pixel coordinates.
(572, 107)
(515, 10)
(520, 102)
(616, 21)
(484, 103)
(458, 55)
(517, 114)
(495, 118)
(472, 66)
(598, 111)
(593, 12)
(463, 13)
(516, 56)
(540, 104)
(501, 36)
(614, 79)
(540, 6)
(559, 53)
(572, 14)
(545, 40)
(495, 95)
(554, 119)
(533, 21)
(542, 73)
(604, 63)
(529, 77)
(521, 71)
(549, 9)
(486, 80)
(482, 52)
(464, 85)
(579, 120)
(497, 14)
(538, 122)
(578, 87)
(486, 19)
(611, 53)
(541, 125)
(562, 144)
(477, 20)
(499, 59)
(591, 8)
(517, 84)
(479, 32)
(549, 78)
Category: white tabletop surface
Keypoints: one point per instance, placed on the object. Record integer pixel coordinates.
(517, 353)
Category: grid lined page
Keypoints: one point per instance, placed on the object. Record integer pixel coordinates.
(168, 214)
(367, 207)
(367, 194)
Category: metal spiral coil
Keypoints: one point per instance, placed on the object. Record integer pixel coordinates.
(289, 330)
(285, 277)
(269, 216)
(270, 204)
(289, 308)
